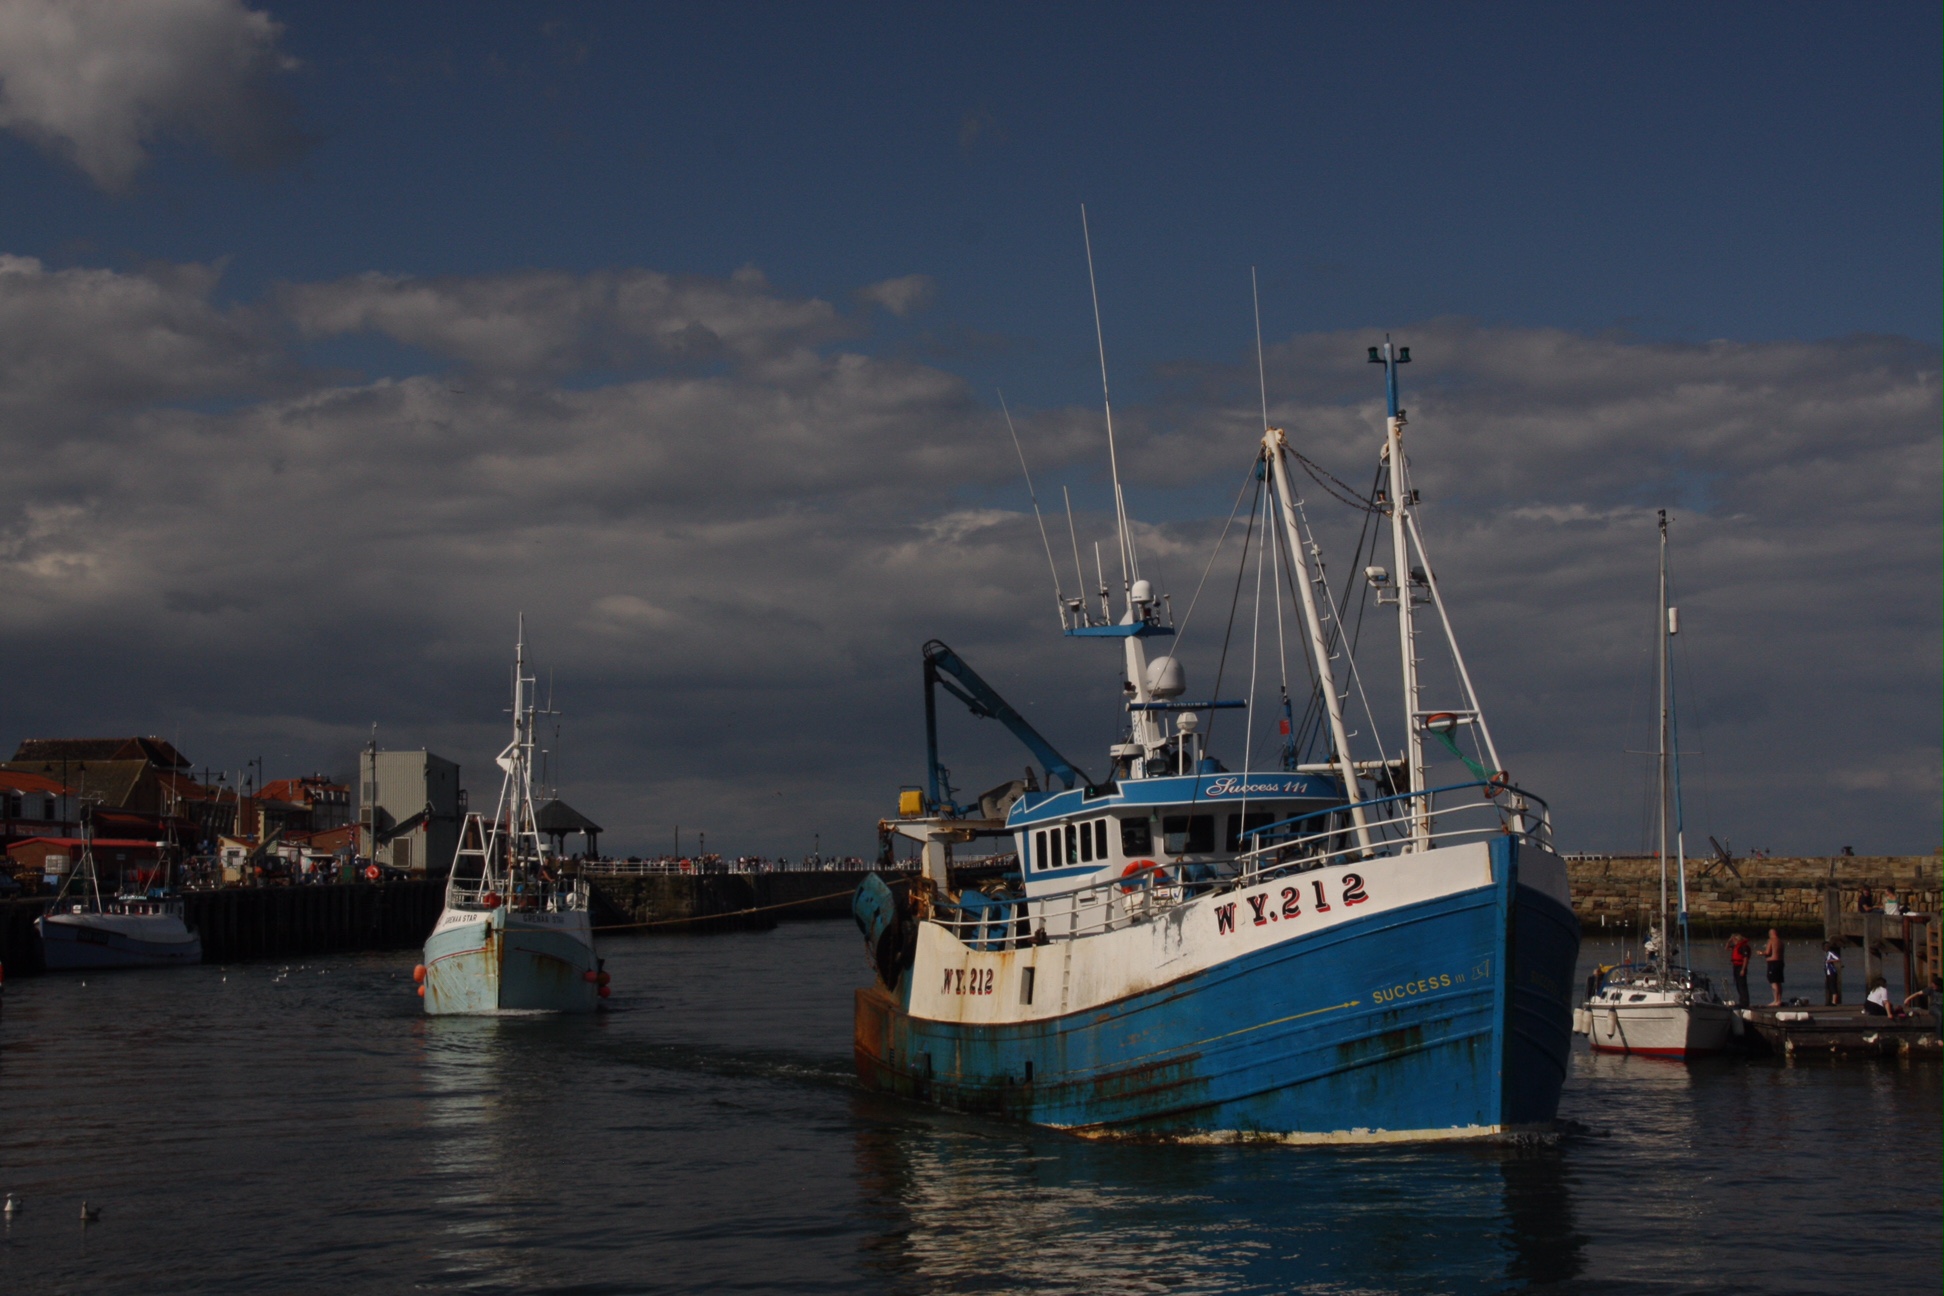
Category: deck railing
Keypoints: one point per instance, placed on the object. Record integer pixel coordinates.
(1277, 850)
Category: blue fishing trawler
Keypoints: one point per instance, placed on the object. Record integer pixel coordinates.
(1314, 948)
(515, 934)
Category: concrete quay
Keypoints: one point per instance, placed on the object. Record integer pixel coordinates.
(1617, 893)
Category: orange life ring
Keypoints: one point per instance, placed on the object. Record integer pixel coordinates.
(490, 900)
(371, 873)
(1145, 867)
(1497, 784)
(1441, 722)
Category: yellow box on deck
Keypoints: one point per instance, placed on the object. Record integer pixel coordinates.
(911, 803)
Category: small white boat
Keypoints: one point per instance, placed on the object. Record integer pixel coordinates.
(1661, 1009)
(80, 931)
(515, 935)
(1671, 1015)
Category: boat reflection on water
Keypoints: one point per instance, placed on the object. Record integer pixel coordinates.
(491, 1123)
(958, 1202)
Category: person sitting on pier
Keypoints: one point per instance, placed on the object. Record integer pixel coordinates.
(1878, 1004)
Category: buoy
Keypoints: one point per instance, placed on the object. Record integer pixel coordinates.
(418, 973)
(604, 992)
(421, 992)
(490, 900)
(603, 977)
(590, 976)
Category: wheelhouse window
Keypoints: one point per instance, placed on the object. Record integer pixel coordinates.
(1189, 834)
(1241, 825)
(1137, 837)
(1086, 843)
(1040, 858)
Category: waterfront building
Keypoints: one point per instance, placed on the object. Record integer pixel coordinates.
(409, 809)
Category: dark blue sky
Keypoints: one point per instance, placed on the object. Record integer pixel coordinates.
(1671, 171)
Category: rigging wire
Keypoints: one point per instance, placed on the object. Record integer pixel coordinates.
(1242, 569)
(1058, 594)
(1220, 540)
(1255, 654)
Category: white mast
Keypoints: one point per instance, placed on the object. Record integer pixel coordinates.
(1274, 447)
(1660, 663)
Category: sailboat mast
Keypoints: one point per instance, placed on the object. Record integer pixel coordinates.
(1660, 952)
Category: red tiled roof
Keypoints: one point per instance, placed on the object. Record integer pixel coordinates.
(21, 781)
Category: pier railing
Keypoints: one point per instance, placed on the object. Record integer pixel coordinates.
(1277, 850)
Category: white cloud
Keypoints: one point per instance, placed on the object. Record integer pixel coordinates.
(730, 566)
(541, 322)
(95, 81)
(902, 296)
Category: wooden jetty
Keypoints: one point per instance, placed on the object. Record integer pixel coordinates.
(1913, 936)
(1843, 1029)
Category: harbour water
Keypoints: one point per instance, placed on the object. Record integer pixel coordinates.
(306, 1128)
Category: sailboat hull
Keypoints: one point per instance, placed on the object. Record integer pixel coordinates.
(1441, 1019)
(1660, 1026)
(479, 961)
(73, 942)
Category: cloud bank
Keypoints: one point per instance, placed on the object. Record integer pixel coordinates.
(96, 81)
(731, 525)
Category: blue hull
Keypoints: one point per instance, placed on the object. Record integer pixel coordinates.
(1449, 1018)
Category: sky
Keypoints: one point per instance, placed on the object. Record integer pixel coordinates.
(334, 337)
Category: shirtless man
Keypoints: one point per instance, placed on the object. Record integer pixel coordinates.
(1772, 955)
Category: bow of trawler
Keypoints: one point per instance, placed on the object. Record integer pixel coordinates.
(515, 934)
(1330, 949)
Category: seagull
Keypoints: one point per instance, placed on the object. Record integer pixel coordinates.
(89, 1214)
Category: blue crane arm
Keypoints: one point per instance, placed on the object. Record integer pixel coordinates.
(981, 699)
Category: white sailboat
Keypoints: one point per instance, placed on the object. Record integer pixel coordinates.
(81, 931)
(515, 934)
(1662, 1008)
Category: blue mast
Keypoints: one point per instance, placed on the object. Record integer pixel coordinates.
(1390, 357)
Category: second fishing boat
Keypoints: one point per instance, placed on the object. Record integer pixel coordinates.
(515, 934)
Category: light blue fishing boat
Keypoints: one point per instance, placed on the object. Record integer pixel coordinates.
(1314, 948)
(515, 934)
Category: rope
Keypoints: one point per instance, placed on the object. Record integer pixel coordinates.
(734, 913)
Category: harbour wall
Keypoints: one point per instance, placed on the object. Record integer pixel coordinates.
(241, 923)
(1617, 893)
(703, 902)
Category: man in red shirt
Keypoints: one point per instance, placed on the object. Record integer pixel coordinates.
(1738, 959)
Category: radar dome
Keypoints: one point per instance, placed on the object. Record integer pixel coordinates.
(1165, 678)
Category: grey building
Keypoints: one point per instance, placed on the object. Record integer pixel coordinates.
(409, 809)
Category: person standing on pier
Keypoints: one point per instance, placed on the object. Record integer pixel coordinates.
(1738, 952)
(1772, 955)
(1832, 973)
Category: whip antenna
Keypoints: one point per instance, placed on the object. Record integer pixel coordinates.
(1262, 379)
(1130, 561)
